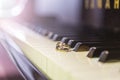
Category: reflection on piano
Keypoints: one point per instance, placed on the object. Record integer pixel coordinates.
(83, 42)
(11, 72)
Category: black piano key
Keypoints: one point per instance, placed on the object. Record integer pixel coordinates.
(44, 32)
(80, 38)
(92, 52)
(96, 51)
(104, 56)
(80, 47)
(70, 36)
(73, 39)
(50, 35)
(87, 45)
(86, 41)
(69, 32)
(56, 37)
(113, 54)
(65, 40)
(60, 34)
(38, 30)
(72, 43)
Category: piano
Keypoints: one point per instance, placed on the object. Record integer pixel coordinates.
(66, 40)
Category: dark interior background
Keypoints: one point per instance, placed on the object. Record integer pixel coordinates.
(73, 12)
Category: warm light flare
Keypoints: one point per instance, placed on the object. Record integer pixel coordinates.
(10, 8)
(8, 27)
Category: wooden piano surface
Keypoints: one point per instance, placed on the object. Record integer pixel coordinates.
(59, 65)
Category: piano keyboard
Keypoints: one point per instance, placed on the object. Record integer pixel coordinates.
(66, 65)
(78, 39)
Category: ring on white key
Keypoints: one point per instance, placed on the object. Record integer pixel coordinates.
(60, 46)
